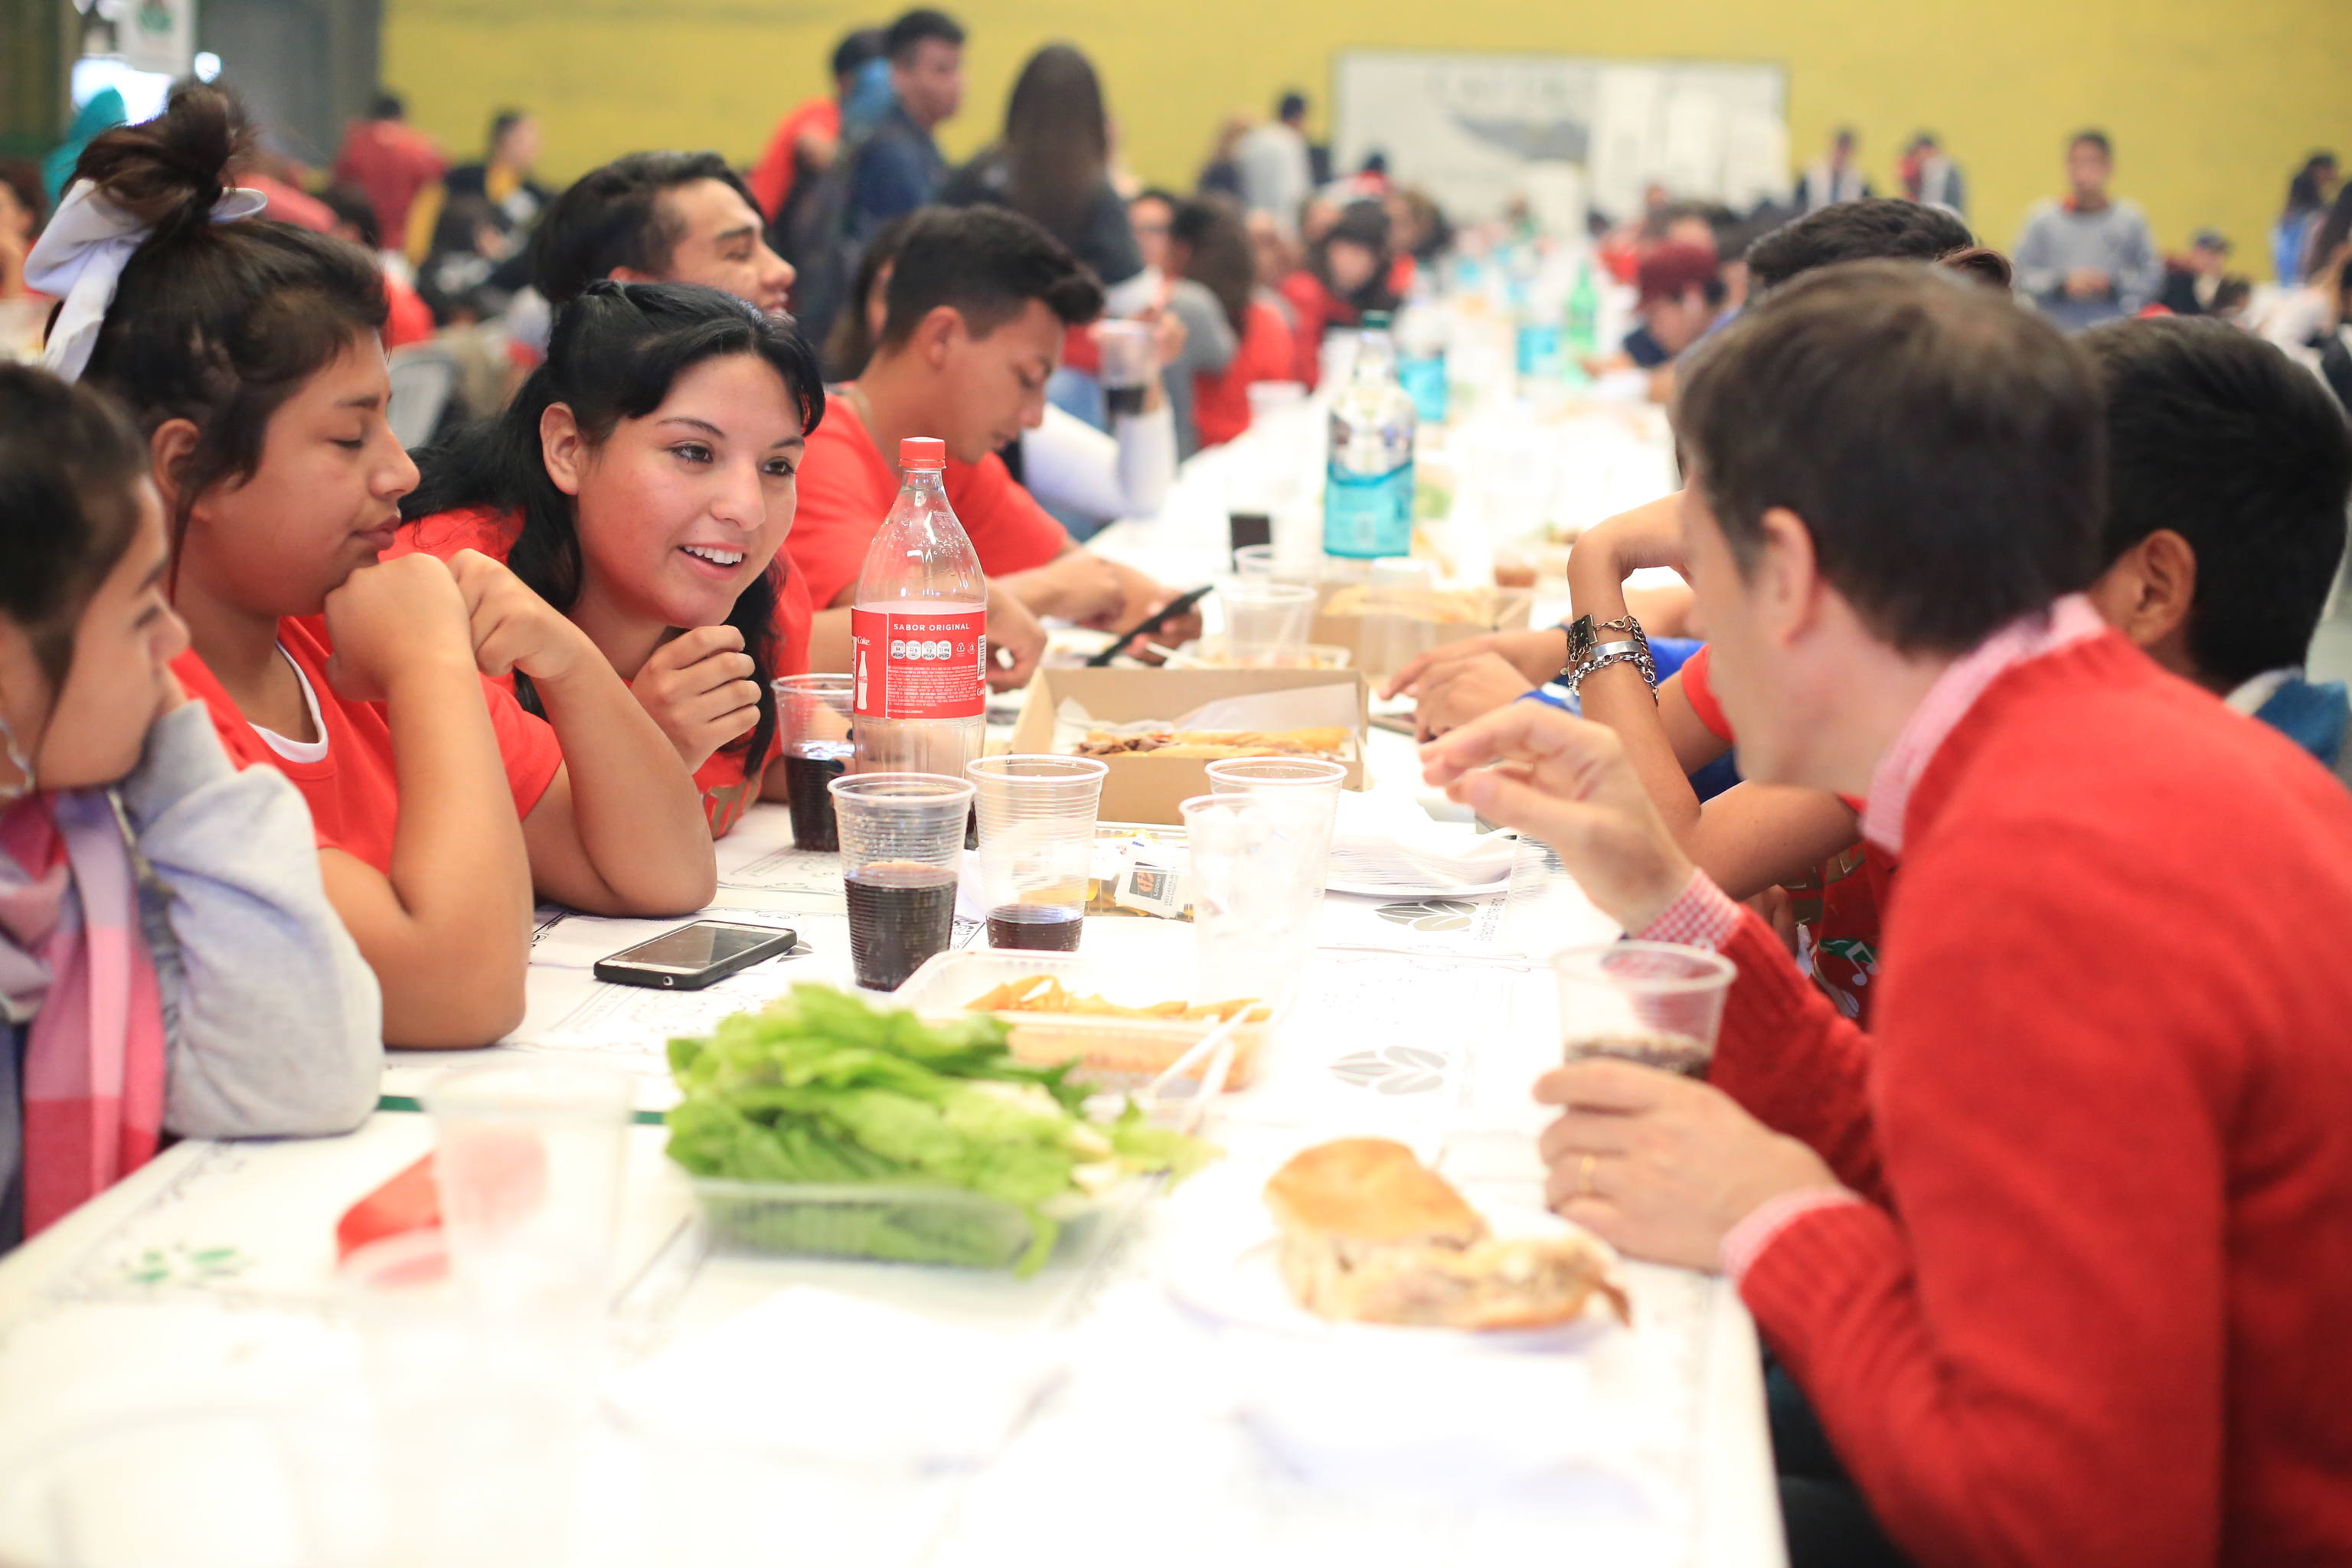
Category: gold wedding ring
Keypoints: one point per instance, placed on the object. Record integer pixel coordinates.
(1584, 1187)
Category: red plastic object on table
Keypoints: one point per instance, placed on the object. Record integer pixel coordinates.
(409, 1202)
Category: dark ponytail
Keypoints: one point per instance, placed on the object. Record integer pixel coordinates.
(216, 323)
(616, 351)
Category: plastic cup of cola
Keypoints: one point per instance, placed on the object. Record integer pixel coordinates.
(1127, 363)
(901, 847)
(1267, 622)
(1656, 1003)
(1036, 845)
(818, 720)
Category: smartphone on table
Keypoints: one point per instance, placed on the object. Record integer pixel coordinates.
(693, 956)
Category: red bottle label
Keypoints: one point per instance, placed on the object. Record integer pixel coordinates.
(919, 664)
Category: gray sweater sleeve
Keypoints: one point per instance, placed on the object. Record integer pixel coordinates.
(2035, 259)
(2139, 271)
(274, 1020)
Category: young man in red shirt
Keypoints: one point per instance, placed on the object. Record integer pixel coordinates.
(2058, 1253)
(808, 138)
(976, 305)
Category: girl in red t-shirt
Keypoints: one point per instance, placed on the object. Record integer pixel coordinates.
(642, 483)
(248, 353)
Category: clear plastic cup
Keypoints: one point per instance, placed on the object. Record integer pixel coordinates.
(528, 1160)
(816, 720)
(1257, 892)
(1654, 1003)
(1272, 399)
(1266, 621)
(478, 1399)
(1127, 363)
(1309, 785)
(1036, 845)
(901, 847)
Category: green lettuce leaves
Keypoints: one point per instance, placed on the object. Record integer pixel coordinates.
(820, 1088)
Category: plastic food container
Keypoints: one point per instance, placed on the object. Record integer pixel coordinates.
(899, 1223)
(1118, 1052)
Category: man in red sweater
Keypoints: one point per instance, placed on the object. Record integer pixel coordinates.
(2062, 1252)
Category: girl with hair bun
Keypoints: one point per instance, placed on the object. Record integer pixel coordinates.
(642, 483)
(188, 976)
(247, 352)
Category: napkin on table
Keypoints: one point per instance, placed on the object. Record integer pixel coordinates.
(819, 1373)
(1384, 838)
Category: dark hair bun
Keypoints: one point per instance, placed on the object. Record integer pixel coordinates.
(169, 171)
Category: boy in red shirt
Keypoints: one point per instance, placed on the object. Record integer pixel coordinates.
(2058, 1252)
(977, 306)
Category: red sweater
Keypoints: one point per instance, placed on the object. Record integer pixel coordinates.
(2099, 1308)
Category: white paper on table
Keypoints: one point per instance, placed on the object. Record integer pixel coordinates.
(1300, 707)
(814, 1372)
(1384, 838)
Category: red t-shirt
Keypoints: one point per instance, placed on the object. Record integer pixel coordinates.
(411, 319)
(846, 490)
(1839, 908)
(771, 177)
(1314, 309)
(726, 785)
(353, 791)
(1221, 400)
(391, 162)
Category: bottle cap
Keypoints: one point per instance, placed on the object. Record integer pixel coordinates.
(922, 452)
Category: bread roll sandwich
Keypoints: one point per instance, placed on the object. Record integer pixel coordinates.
(1369, 1235)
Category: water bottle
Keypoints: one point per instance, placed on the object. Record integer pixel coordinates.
(1583, 323)
(917, 630)
(1421, 361)
(1368, 487)
(1537, 307)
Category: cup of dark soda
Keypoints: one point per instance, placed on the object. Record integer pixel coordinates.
(901, 847)
(1036, 845)
(817, 721)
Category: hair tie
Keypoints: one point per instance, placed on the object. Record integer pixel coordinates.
(79, 259)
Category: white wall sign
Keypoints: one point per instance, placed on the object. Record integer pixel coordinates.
(1467, 127)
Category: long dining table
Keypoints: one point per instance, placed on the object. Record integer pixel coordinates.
(1134, 1401)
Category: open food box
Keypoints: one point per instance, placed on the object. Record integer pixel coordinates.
(1383, 627)
(1161, 1014)
(1145, 786)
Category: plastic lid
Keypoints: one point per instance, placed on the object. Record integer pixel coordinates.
(922, 452)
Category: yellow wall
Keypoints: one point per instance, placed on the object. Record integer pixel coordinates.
(2210, 105)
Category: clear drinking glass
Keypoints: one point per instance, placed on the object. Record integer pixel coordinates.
(818, 716)
(901, 848)
(1127, 367)
(1654, 1003)
(1266, 621)
(528, 1160)
(1309, 785)
(1036, 845)
(1257, 892)
(479, 1401)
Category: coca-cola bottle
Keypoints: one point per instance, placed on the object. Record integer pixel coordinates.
(917, 630)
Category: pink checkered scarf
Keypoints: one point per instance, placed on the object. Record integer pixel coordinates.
(93, 1091)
